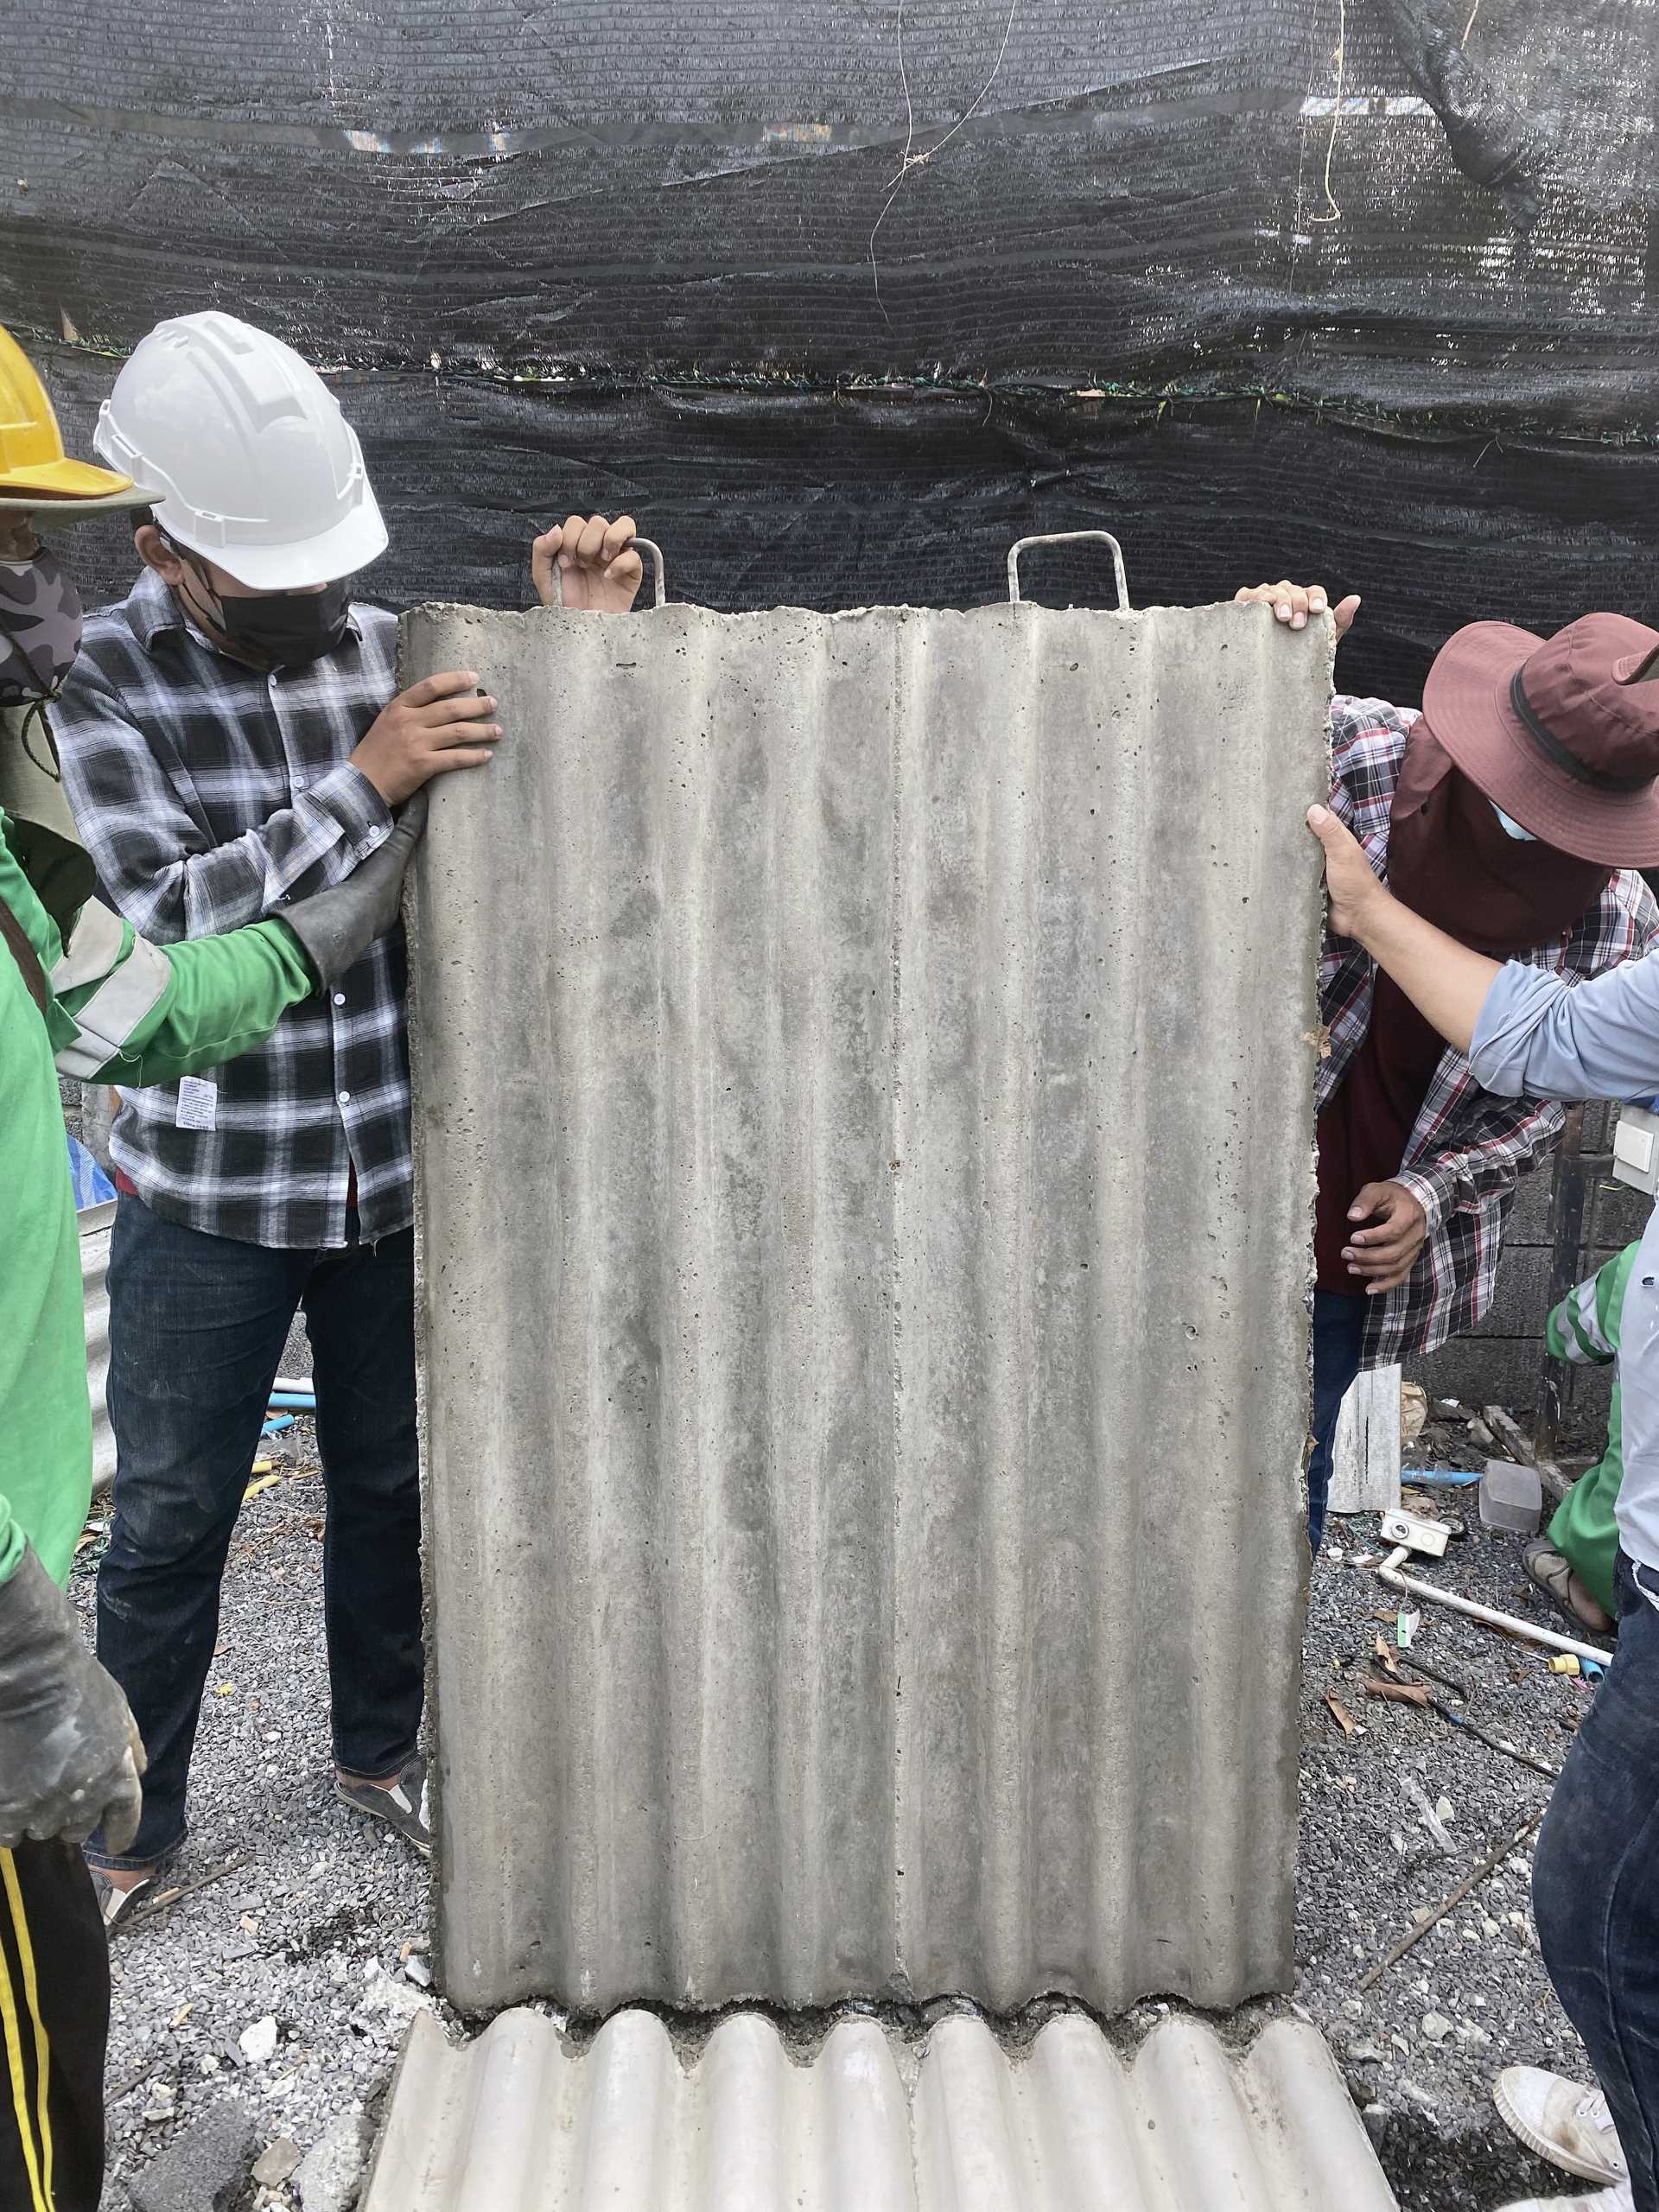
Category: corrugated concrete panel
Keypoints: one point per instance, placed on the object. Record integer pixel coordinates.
(519, 2121)
(863, 1123)
(96, 1224)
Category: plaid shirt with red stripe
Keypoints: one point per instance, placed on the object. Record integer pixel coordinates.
(1469, 1149)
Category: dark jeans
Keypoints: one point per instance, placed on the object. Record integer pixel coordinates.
(1339, 1339)
(54, 2020)
(197, 1326)
(1595, 1884)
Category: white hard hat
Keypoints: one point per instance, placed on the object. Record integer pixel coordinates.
(252, 463)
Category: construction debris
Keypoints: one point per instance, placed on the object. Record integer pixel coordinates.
(203, 2169)
(276, 2162)
(1432, 1818)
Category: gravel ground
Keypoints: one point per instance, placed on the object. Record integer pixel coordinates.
(1421, 2047)
(321, 1928)
(319, 1925)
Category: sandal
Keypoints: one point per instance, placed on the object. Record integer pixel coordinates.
(117, 1905)
(403, 1807)
(1550, 1571)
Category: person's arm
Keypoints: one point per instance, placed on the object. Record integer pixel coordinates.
(1584, 1327)
(1499, 1143)
(1445, 981)
(150, 1013)
(150, 852)
(1526, 1031)
(120, 1010)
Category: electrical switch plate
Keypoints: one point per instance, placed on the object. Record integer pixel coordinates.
(1634, 1150)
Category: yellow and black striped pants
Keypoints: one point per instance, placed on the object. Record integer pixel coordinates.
(55, 2021)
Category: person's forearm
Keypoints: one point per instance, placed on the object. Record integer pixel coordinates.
(1445, 981)
(248, 878)
(224, 995)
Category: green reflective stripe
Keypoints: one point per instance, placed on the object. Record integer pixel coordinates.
(94, 947)
(115, 1010)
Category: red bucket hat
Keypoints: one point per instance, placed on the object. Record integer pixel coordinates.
(1562, 732)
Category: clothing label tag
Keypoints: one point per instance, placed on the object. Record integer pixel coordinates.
(198, 1104)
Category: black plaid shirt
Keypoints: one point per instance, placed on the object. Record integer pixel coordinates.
(210, 795)
(1469, 1149)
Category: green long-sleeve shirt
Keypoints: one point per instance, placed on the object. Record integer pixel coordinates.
(1587, 1327)
(119, 1011)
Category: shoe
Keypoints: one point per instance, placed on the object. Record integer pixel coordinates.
(1562, 2121)
(115, 1905)
(1551, 1571)
(1605, 2200)
(403, 1807)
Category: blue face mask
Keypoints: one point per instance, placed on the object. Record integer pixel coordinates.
(1512, 828)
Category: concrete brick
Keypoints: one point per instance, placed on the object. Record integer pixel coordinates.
(863, 1128)
(1506, 1371)
(203, 2169)
(1528, 1222)
(1621, 1214)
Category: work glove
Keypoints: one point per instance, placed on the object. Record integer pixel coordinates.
(70, 1754)
(337, 926)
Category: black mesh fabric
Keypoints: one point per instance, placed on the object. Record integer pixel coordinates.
(838, 301)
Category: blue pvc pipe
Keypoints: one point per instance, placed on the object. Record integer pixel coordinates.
(306, 1403)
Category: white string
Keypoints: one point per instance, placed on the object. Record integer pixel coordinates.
(909, 160)
(1341, 60)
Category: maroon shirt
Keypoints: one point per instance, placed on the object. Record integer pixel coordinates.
(1450, 859)
(1364, 1131)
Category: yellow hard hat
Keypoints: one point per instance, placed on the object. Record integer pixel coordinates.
(33, 465)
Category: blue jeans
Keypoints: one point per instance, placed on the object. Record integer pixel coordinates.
(1595, 1884)
(197, 1327)
(1338, 1340)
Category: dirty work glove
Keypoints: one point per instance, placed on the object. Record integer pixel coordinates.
(69, 1752)
(337, 926)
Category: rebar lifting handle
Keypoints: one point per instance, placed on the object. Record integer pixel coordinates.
(1071, 537)
(650, 546)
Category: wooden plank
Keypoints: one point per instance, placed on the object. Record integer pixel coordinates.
(1567, 1213)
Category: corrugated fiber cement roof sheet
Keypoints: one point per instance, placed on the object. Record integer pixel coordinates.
(1197, 2119)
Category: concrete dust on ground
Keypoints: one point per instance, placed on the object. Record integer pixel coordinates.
(321, 1927)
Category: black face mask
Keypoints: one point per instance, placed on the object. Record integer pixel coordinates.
(292, 628)
(286, 630)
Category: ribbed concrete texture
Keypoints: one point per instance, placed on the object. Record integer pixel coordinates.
(864, 1137)
(520, 2122)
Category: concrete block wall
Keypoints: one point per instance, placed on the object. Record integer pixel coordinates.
(1502, 1362)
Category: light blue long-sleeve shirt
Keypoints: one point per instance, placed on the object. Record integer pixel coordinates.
(1596, 1039)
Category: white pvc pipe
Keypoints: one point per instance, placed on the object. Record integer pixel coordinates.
(1389, 1572)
